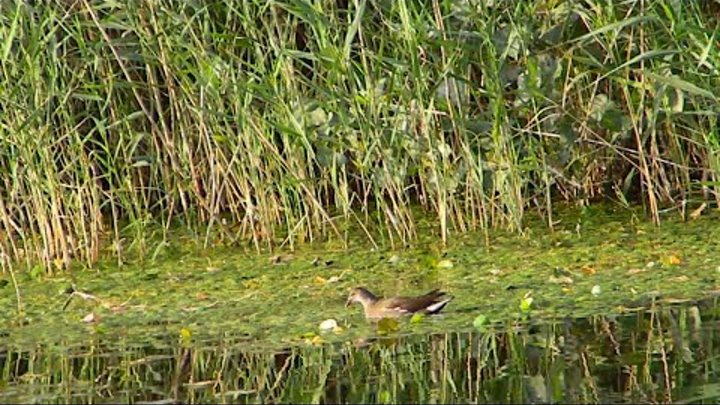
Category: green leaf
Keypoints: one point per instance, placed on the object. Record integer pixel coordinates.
(88, 97)
(388, 325)
(7, 46)
(445, 264)
(480, 322)
(678, 83)
(616, 26)
(385, 397)
(37, 272)
(185, 336)
(417, 318)
(151, 274)
(526, 304)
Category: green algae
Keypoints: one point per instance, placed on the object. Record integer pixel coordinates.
(593, 262)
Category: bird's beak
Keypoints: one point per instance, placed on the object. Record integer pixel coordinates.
(349, 301)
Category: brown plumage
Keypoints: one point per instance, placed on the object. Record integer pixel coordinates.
(378, 307)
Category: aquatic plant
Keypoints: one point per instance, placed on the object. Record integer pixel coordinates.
(278, 122)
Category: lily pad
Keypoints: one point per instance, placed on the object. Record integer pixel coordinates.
(480, 322)
(388, 325)
(417, 318)
(526, 304)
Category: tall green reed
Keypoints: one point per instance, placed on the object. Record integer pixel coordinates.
(281, 122)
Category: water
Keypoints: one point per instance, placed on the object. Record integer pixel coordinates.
(665, 354)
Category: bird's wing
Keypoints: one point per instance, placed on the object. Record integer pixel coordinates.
(414, 304)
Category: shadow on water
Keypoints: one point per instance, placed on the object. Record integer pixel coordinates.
(667, 354)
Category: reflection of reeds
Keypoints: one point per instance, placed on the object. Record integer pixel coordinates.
(279, 122)
(658, 356)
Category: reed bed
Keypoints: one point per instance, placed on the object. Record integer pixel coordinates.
(273, 123)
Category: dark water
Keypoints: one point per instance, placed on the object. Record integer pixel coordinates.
(667, 354)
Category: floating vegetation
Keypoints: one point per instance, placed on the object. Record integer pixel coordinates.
(613, 265)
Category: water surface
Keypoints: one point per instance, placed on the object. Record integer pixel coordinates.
(668, 353)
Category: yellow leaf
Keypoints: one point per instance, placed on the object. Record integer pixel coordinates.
(445, 264)
(675, 260)
(526, 304)
(387, 325)
(696, 212)
(320, 280)
(588, 271)
(672, 260)
(185, 334)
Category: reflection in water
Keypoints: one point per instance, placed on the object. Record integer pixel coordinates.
(668, 354)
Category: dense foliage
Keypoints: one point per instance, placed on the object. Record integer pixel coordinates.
(282, 121)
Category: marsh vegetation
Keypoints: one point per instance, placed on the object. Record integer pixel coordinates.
(188, 189)
(268, 123)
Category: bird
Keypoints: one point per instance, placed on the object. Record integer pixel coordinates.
(393, 307)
